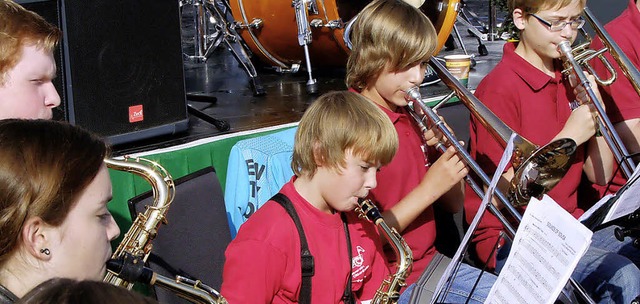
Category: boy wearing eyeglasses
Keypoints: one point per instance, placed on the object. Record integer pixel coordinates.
(529, 93)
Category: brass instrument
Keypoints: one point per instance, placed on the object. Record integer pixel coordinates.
(389, 291)
(537, 169)
(578, 57)
(127, 262)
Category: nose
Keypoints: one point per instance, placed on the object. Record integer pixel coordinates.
(113, 231)
(568, 32)
(371, 180)
(52, 98)
(416, 74)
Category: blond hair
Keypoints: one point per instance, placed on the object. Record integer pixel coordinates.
(534, 6)
(338, 122)
(18, 28)
(388, 32)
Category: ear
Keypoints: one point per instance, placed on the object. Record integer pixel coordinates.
(519, 18)
(317, 156)
(35, 237)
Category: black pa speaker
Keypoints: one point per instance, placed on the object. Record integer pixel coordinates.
(120, 69)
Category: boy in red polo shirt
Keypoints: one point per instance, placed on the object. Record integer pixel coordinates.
(392, 43)
(528, 92)
(341, 142)
(621, 98)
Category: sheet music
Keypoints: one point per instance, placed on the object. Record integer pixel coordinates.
(545, 251)
(624, 202)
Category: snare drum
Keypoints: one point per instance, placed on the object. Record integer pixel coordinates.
(270, 30)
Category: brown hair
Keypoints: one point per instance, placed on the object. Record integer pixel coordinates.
(388, 32)
(19, 28)
(342, 121)
(44, 167)
(68, 291)
(534, 6)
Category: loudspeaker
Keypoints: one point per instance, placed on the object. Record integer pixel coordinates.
(120, 69)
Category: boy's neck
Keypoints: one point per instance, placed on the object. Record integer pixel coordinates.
(541, 62)
(308, 189)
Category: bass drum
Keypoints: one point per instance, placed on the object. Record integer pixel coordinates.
(274, 38)
(443, 15)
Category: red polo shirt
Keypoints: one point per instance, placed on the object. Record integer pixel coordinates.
(621, 99)
(534, 105)
(396, 180)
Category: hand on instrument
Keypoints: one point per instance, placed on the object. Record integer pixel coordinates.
(433, 135)
(580, 126)
(581, 93)
(445, 173)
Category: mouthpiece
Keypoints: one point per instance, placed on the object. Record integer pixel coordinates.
(564, 48)
(130, 269)
(413, 94)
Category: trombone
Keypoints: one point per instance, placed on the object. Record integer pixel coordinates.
(578, 57)
(538, 169)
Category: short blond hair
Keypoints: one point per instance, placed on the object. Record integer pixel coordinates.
(20, 27)
(338, 122)
(388, 32)
(534, 6)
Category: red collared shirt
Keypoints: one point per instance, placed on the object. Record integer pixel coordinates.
(534, 105)
(621, 99)
(396, 180)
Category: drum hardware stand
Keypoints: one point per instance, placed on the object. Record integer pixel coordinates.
(221, 125)
(224, 32)
(464, 19)
(304, 37)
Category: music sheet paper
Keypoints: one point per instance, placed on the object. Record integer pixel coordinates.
(546, 249)
(625, 201)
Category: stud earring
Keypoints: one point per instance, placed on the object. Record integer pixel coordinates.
(45, 251)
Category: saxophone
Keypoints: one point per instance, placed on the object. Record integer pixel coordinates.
(127, 262)
(389, 291)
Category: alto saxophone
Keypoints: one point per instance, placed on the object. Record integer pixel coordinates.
(127, 262)
(389, 291)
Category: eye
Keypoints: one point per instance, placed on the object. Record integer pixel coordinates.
(105, 217)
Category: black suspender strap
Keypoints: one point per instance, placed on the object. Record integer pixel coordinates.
(348, 297)
(305, 255)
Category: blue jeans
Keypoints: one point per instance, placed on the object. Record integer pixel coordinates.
(461, 287)
(608, 271)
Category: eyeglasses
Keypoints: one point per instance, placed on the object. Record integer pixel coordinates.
(559, 25)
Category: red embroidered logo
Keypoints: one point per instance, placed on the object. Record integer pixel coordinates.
(135, 113)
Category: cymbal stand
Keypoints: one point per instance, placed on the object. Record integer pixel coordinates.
(304, 37)
(465, 20)
(215, 13)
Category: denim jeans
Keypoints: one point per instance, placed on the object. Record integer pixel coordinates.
(461, 287)
(608, 271)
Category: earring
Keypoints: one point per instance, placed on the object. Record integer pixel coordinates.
(45, 251)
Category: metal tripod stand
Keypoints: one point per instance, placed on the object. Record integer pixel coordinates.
(212, 27)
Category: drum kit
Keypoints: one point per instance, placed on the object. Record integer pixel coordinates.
(284, 34)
